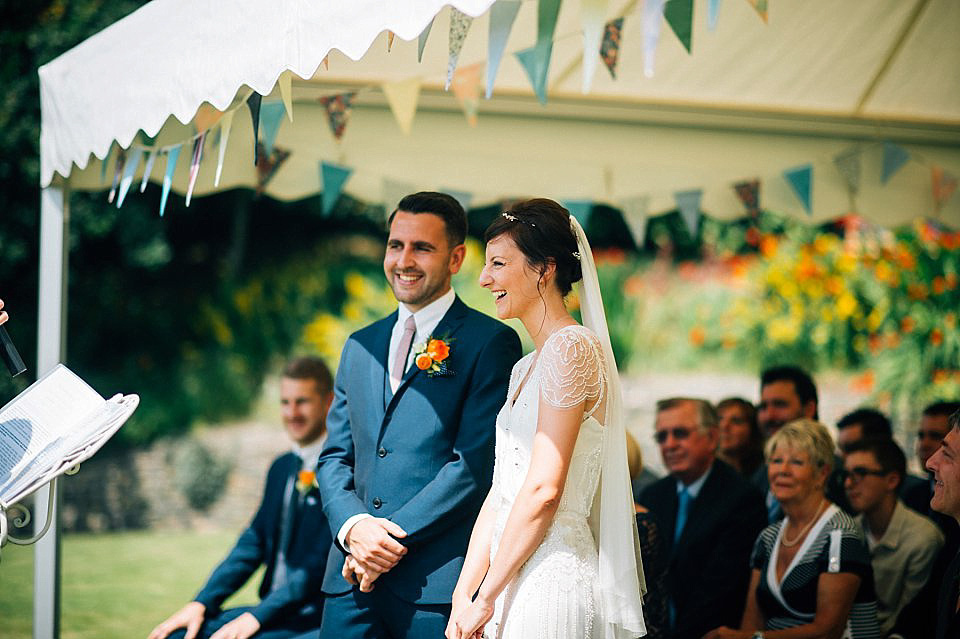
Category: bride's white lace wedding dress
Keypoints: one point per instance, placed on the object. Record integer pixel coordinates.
(555, 594)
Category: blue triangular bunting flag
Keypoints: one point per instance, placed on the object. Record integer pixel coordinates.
(133, 162)
(271, 116)
(333, 177)
(894, 157)
(800, 180)
(535, 62)
(713, 13)
(579, 209)
(688, 202)
(422, 40)
(172, 155)
(502, 15)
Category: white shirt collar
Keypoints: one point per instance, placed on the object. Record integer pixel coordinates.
(429, 316)
(694, 488)
(310, 453)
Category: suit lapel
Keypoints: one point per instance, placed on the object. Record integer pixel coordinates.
(380, 349)
(447, 327)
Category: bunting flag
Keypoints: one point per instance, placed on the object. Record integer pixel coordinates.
(894, 157)
(285, 83)
(502, 16)
(271, 116)
(332, 177)
(635, 215)
(338, 111)
(580, 209)
(402, 97)
(848, 164)
(268, 165)
(422, 40)
(800, 179)
(253, 102)
(944, 185)
(688, 203)
(652, 13)
(463, 197)
(536, 59)
(207, 116)
(679, 15)
(760, 6)
(148, 169)
(117, 170)
(466, 88)
(459, 25)
(172, 155)
(713, 14)
(749, 193)
(393, 191)
(225, 124)
(131, 166)
(390, 36)
(195, 164)
(592, 13)
(610, 49)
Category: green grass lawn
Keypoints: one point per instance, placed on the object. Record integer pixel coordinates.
(118, 585)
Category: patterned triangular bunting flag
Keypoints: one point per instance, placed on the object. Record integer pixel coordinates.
(610, 49)
(338, 111)
(268, 166)
(749, 193)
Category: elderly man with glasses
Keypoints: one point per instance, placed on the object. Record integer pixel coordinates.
(710, 517)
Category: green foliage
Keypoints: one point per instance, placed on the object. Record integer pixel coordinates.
(199, 474)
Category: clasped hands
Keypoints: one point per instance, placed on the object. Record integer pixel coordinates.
(374, 550)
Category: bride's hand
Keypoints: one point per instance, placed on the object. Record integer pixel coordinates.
(469, 624)
(459, 604)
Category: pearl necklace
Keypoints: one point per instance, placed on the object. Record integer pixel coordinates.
(804, 530)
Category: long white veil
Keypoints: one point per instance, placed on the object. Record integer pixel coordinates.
(621, 574)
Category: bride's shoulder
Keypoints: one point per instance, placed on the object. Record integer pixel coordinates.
(574, 338)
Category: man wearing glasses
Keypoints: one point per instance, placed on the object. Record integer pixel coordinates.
(710, 516)
(903, 544)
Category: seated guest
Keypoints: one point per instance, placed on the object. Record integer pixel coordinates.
(652, 554)
(811, 571)
(289, 534)
(788, 393)
(902, 543)
(710, 516)
(741, 442)
(945, 466)
(860, 424)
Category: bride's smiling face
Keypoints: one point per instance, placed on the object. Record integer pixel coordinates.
(507, 274)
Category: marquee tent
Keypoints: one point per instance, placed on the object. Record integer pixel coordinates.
(754, 97)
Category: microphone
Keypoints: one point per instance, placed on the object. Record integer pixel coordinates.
(10, 355)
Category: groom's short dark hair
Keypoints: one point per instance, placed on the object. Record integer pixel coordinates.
(440, 204)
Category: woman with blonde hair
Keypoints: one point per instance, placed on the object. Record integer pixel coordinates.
(811, 571)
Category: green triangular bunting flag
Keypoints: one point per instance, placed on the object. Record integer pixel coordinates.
(679, 15)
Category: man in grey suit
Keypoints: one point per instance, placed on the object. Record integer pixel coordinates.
(409, 457)
(945, 466)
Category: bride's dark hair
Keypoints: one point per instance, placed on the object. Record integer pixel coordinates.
(541, 230)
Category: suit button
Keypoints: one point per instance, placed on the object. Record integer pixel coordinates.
(377, 503)
(382, 452)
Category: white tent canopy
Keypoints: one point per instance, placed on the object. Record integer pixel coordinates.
(752, 100)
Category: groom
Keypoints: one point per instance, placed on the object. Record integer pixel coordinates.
(409, 455)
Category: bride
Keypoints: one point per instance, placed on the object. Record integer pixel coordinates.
(554, 551)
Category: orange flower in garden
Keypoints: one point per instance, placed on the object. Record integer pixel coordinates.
(950, 280)
(875, 343)
(768, 245)
(941, 376)
(939, 285)
(936, 337)
(950, 320)
(907, 324)
(424, 361)
(917, 291)
(863, 383)
(697, 336)
(906, 260)
(438, 350)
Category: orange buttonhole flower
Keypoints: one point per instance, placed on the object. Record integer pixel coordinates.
(438, 350)
(424, 361)
(306, 477)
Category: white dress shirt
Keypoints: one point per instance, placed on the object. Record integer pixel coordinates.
(426, 319)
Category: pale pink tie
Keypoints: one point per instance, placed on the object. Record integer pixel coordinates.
(403, 348)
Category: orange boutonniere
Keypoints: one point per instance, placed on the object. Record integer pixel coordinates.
(432, 356)
(306, 481)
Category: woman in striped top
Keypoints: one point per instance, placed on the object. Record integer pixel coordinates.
(811, 571)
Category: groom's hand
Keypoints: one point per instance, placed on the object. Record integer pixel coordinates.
(371, 543)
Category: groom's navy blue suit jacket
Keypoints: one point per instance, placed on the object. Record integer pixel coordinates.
(422, 457)
(306, 554)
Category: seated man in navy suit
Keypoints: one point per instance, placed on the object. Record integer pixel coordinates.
(289, 533)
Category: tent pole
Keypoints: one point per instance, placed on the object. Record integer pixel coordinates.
(51, 349)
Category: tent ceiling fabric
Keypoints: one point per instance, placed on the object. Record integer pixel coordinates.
(884, 69)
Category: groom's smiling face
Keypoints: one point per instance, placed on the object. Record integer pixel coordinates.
(419, 261)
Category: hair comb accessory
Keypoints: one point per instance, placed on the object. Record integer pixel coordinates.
(576, 254)
(514, 218)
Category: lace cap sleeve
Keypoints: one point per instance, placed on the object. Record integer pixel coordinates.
(572, 368)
